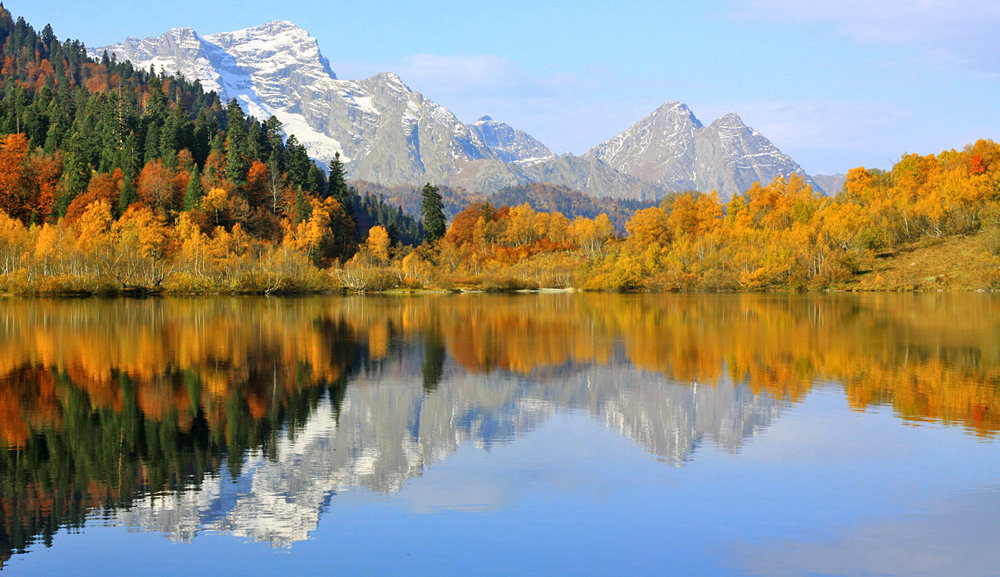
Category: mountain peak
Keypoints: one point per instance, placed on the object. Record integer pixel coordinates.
(510, 145)
(181, 32)
(271, 28)
(670, 147)
(729, 120)
(675, 110)
(393, 79)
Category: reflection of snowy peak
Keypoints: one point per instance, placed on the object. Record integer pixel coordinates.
(390, 135)
(389, 429)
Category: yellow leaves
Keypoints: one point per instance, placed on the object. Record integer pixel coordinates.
(315, 237)
(217, 203)
(591, 235)
(521, 226)
(649, 226)
(48, 242)
(13, 243)
(417, 269)
(858, 183)
(94, 225)
(552, 226)
(378, 243)
(139, 228)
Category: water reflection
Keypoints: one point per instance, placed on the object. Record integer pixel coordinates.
(246, 416)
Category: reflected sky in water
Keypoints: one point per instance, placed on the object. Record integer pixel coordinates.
(573, 434)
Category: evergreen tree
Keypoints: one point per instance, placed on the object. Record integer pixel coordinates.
(272, 139)
(192, 196)
(237, 144)
(127, 196)
(337, 184)
(297, 163)
(317, 181)
(200, 138)
(432, 210)
(302, 209)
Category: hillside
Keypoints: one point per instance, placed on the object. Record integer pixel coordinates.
(953, 263)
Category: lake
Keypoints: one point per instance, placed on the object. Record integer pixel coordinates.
(534, 434)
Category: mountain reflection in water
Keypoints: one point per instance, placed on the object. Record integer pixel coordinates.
(246, 416)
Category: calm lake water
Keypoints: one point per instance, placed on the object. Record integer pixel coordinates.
(549, 434)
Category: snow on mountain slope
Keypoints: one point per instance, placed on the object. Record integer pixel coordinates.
(672, 149)
(511, 145)
(277, 69)
(388, 134)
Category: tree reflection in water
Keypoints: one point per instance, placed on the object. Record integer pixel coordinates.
(164, 411)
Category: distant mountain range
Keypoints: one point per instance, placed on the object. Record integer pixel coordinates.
(390, 135)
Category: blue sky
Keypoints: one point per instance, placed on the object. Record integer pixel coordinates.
(835, 84)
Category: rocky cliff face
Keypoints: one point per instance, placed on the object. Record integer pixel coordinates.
(388, 134)
(509, 144)
(671, 149)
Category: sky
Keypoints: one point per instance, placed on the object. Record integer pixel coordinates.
(835, 84)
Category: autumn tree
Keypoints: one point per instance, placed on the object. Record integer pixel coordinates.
(592, 235)
(157, 187)
(650, 226)
(377, 243)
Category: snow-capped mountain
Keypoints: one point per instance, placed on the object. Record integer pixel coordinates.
(388, 134)
(509, 144)
(384, 131)
(671, 148)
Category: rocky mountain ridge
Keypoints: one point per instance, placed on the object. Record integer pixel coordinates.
(388, 134)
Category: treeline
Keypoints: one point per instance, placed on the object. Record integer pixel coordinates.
(101, 138)
(780, 236)
(540, 196)
(115, 179)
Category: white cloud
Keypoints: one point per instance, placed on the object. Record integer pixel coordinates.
(947, 32)
(952, 538)
(829, 136)
(567, 111)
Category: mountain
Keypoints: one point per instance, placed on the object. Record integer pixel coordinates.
(391, 135)
(672, 149)
(509, 144)
(830, 183)
(384, 131)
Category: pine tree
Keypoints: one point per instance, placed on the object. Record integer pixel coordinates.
(337, 182)
(127, 196)
(237, 145)
(317, 183)
(192, 196)
(432, 210)
(297, 163)
(302, 209)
